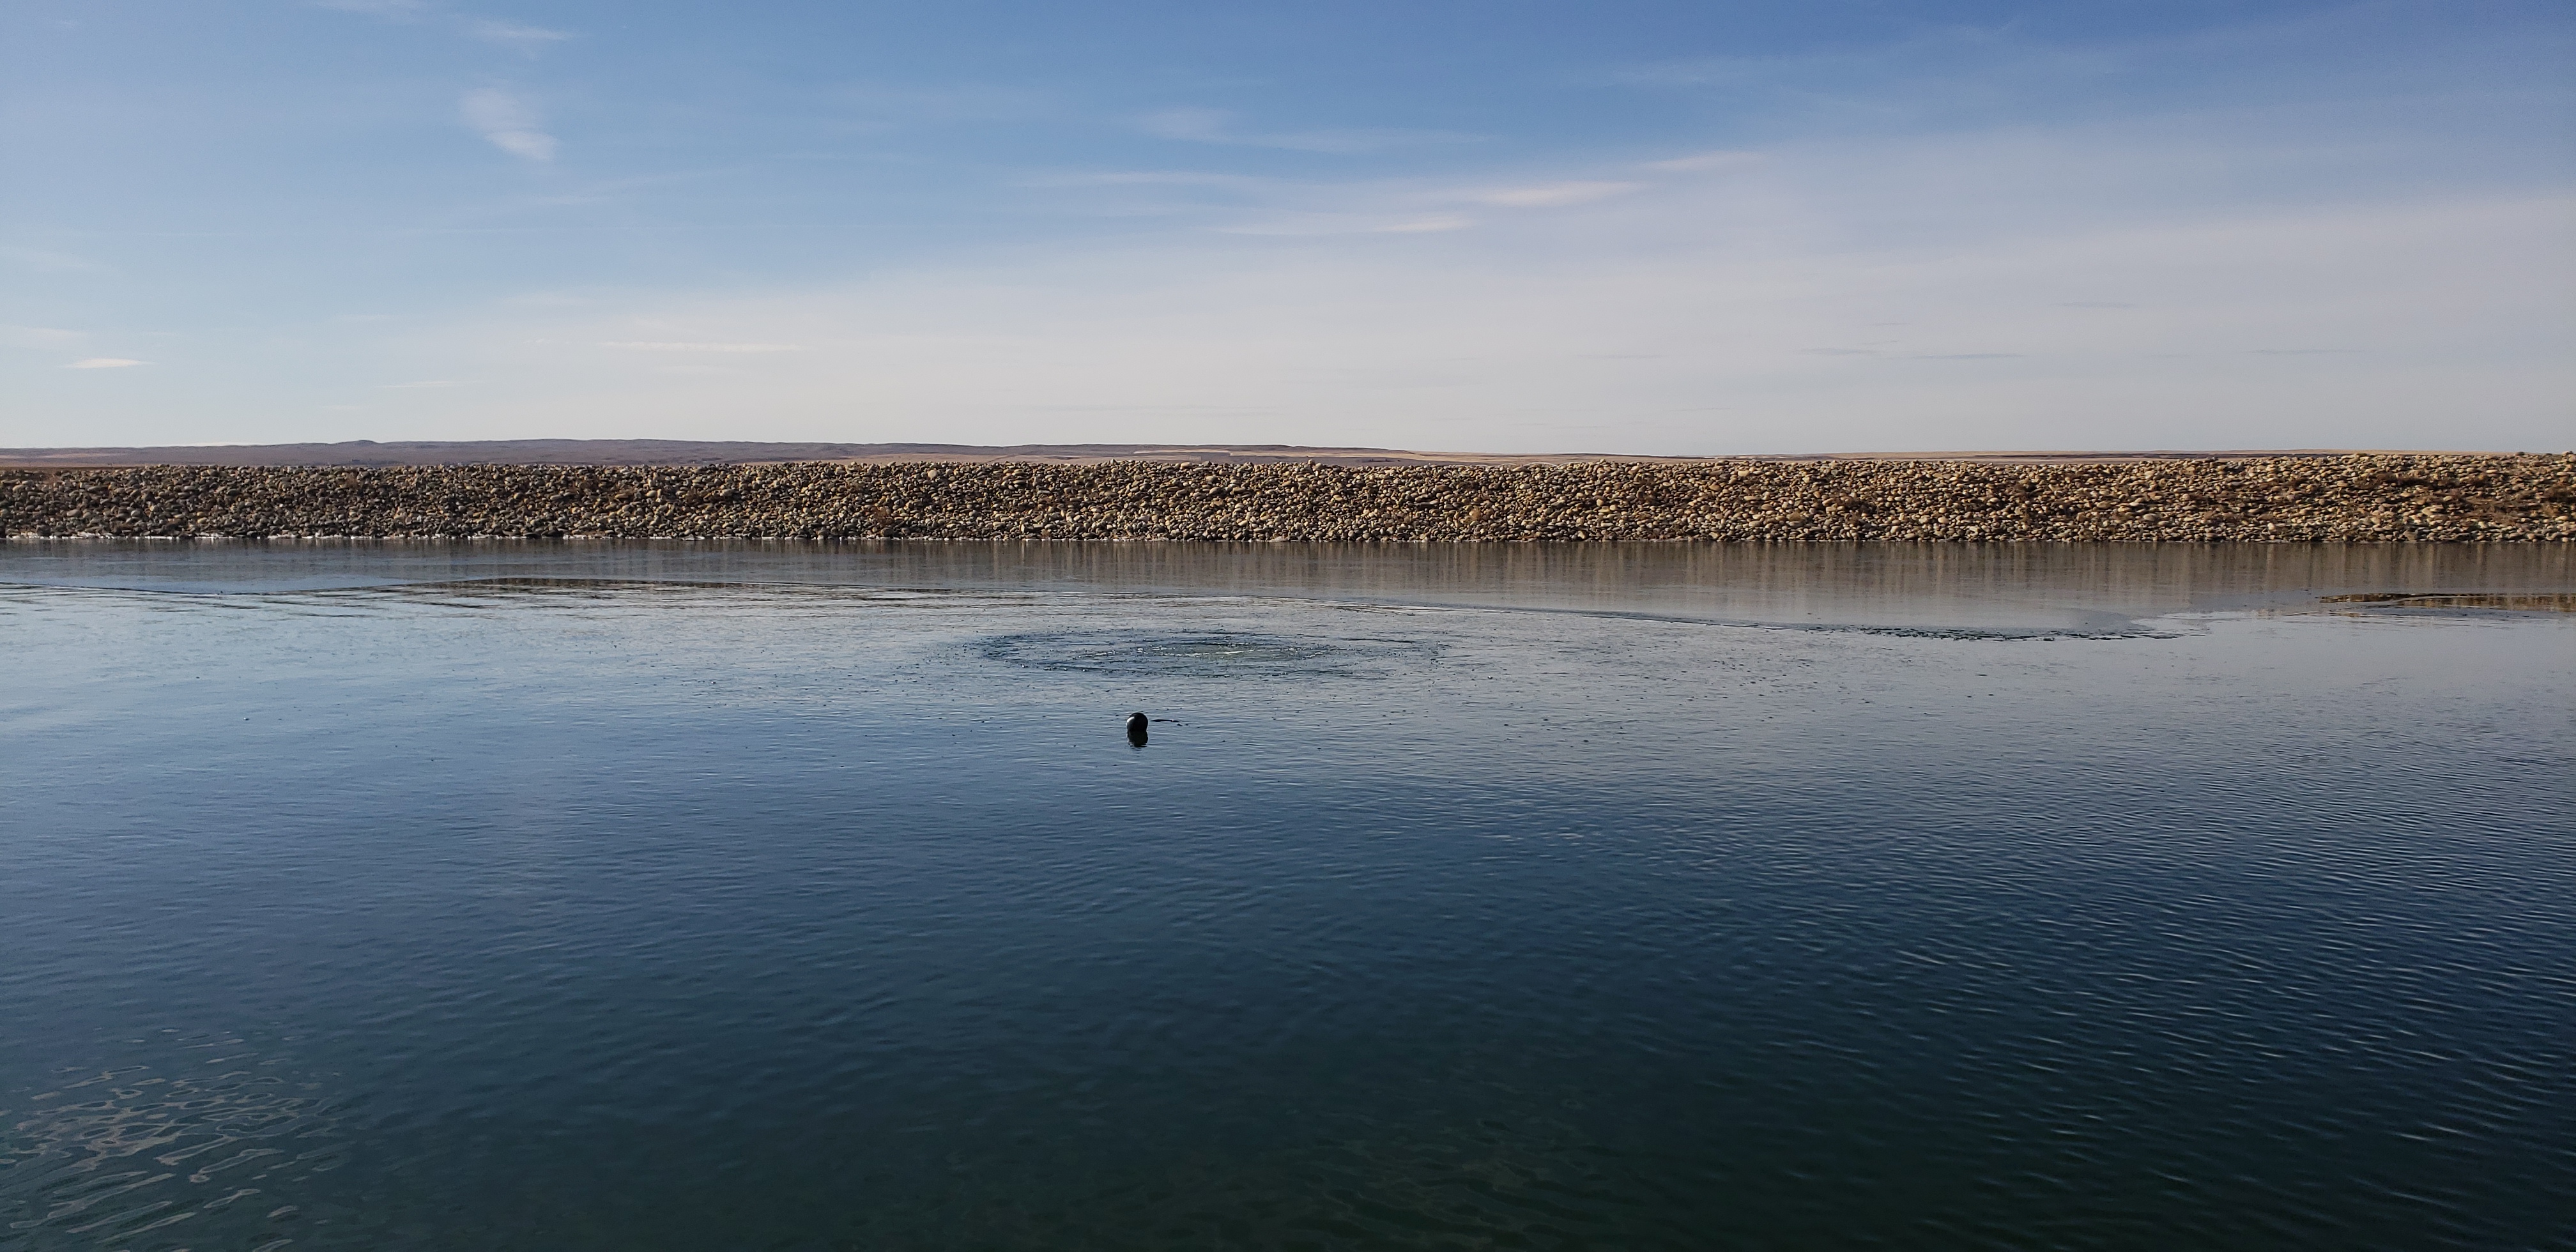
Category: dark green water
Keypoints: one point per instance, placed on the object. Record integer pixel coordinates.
(596, 896)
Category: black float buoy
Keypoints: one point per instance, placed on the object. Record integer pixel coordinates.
(1136, 729)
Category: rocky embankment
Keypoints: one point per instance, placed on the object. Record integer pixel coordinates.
(2265, 499)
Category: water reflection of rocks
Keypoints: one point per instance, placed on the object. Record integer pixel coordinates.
(2508, 602)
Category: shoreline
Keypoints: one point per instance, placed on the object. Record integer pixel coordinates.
(2270, 499)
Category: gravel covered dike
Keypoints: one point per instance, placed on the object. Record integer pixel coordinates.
(2262, 499)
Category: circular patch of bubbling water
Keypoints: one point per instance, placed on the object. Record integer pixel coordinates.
(1206, 653)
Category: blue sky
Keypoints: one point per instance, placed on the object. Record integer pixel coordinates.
(1638, 227)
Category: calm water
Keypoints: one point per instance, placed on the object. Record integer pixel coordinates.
(699, 897)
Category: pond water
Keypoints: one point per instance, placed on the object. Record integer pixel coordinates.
(629, 896)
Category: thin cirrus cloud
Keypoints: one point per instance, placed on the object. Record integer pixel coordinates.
(524, 40)
(1217, 126)
(1247, 205)
(40, 338)
(48, 261)
(1556, 195)
(376, 8)
(519, 37)
(632, 345)
(104, 363)
(508, 123)
(1703, 162)
(1996, 61)
(1283, 207)
(1314, 223)
(1426, 225)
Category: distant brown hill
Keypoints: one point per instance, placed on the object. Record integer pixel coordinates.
(367, 452)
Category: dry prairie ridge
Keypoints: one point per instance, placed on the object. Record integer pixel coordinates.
(1280, 493)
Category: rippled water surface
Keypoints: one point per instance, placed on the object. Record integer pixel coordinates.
(1523, 896)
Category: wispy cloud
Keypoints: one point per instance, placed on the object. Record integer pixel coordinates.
(1555, 195)
(1285, 206)
(46, 261)
(376, 8)
(42, 338)
(524, 40)
(1956, 58)
(1246, 205)
(519, 37)
(1943, 76)
(510, 123)
(671, 346)
(1702, 162)
(1217, 126)
(104, 363)
(1154, 178)
(1197, 125)
(1317, 224)
(1426, 225)
(442, 382)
